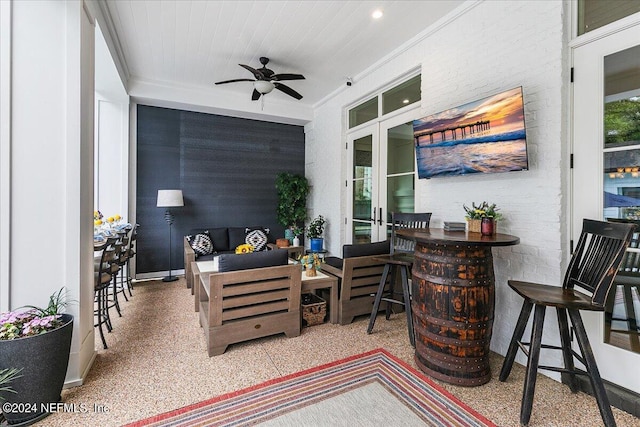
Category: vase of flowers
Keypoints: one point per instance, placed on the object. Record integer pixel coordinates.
(475, 214)
(36, 342)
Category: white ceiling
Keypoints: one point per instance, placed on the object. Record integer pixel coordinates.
(194, 43)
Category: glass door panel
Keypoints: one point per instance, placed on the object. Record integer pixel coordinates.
(606, 183)
(621, 124)
(363, 145)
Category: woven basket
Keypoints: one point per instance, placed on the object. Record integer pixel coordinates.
(474, 225)
(315, 311)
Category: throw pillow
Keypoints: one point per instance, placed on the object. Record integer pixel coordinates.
(201, 244)
(257, 238)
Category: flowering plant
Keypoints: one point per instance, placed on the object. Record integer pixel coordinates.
(483, 210)
(19, 324)
(244, 248)
(311, 260)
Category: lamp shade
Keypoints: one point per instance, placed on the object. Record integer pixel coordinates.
(170, 198)
(263, 86)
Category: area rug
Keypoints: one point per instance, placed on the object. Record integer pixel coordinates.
(369, 389)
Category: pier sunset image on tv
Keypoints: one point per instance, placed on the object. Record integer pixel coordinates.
(484, 136)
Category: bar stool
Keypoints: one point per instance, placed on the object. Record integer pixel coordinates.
(592, 268)
(102, 280)
(400, 258)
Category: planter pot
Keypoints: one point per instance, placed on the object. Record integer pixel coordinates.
(288, 234)
(44, 359)
(316, 243)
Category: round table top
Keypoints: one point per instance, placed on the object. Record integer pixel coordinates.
(439, 235)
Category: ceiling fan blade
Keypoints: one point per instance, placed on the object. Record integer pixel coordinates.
(285, 76)
(258, 75)
(255, 95)
(234, 80)
(286, 89)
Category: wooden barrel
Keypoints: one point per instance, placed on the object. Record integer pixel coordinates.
(453, 302)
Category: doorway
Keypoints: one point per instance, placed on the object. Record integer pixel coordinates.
(606, 179)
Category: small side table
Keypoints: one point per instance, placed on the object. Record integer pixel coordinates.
(323, 281)
(199, 268)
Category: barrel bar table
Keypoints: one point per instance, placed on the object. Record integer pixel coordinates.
(453, 298)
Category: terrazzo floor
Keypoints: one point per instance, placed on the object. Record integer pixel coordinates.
(157, 361)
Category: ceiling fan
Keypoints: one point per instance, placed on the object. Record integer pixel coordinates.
(266, 80)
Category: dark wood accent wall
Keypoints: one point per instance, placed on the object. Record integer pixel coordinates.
(225, 167)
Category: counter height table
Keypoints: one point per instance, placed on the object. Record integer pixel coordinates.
(453, 296)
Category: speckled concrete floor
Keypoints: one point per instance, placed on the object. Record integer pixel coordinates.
(157, 361)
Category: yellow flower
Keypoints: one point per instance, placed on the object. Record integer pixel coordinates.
(110, 219)
(118, 217)
(97, 222)
(244, 249)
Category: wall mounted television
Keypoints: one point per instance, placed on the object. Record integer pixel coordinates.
(484, 136)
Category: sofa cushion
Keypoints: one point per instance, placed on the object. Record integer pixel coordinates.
(220, 238)
(201, 243)
(366, 249)
(257, 238)
(233, 262)
(334, 261)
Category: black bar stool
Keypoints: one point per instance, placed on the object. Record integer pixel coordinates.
(400, 258)
(592, 268)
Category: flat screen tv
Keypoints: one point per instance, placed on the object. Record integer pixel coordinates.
(484, 136)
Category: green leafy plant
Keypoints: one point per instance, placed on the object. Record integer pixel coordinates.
(483, 210)
(292, 199)
(6, 376)
(316, 227)
(35, 320)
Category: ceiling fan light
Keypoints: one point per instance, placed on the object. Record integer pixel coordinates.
(263, 86)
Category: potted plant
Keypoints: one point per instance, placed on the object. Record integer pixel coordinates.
(314, 233)
(476, 214)
(292, 201)
(36, 342)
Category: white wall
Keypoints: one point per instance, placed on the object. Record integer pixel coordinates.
(51, 177)
(486, 48)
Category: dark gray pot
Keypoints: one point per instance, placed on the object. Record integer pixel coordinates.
(44, 359)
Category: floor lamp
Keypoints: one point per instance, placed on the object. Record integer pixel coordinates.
(169, 199)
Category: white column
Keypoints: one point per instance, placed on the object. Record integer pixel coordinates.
(51, 177)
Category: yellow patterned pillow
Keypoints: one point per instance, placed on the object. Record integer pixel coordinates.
(244, 249)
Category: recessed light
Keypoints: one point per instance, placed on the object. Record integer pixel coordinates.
(377, 14)
(405, 101)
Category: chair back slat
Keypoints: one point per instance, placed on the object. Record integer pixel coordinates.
(630, 265)
(406, 220)
(597, 257)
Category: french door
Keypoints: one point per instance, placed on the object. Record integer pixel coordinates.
(381, 176)
(606, 174)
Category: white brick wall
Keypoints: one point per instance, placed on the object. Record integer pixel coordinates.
(493, 46)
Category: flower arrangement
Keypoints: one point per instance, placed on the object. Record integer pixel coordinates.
(297, 231)
(483, 210)
(245, 248)
(20, 324)
(316, 227)
(311, 263)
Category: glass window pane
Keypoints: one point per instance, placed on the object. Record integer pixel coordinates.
(404, 94)
(622, 184)
(361, 232)
(622, 98)
(363, 113)
(362, 179)
(594, 14)
(400, 149)
(400, 194)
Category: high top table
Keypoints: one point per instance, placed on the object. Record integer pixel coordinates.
(453, 298)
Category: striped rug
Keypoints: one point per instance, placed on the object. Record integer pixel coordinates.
(369, 389)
